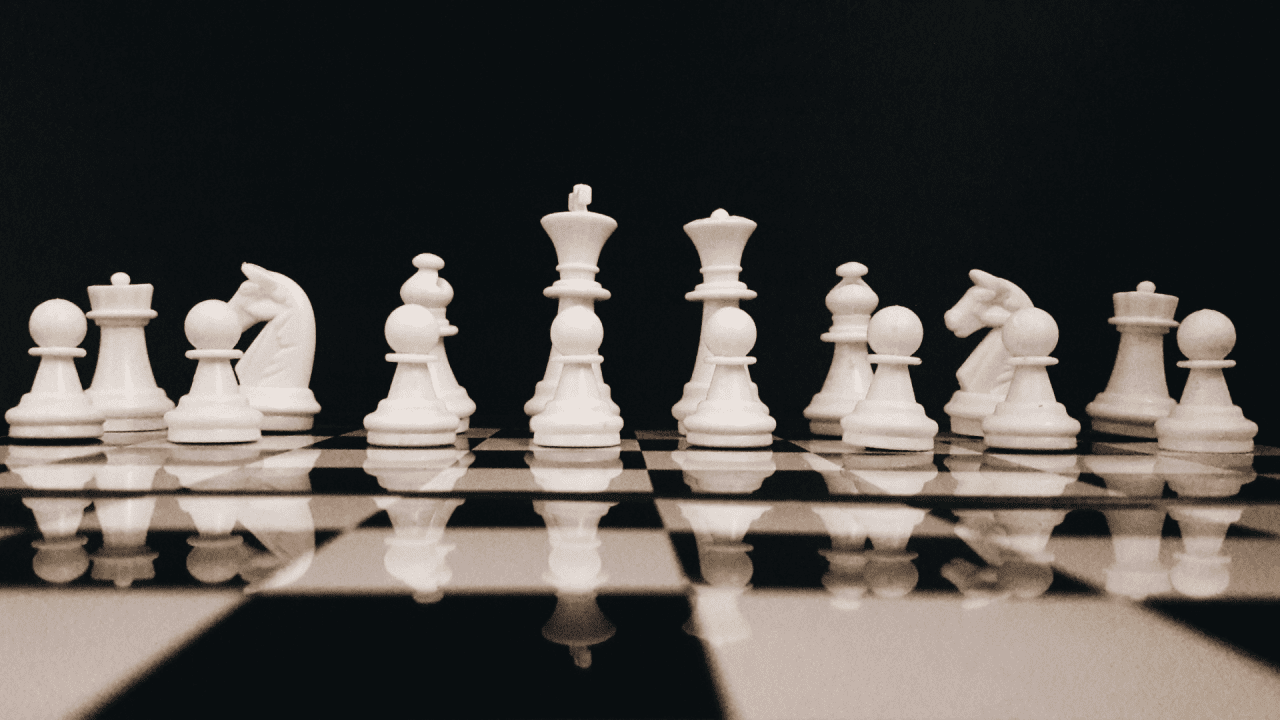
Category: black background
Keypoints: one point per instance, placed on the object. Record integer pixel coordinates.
(1075, 148)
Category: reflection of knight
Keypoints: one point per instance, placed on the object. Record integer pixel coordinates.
(985, 376)
(574, 569)
(275, 372)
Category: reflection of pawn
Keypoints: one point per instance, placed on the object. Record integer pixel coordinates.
(1205, 419)
(851, 303)
(214, 411)
(574, 469)
(124, 556)
(1030, 418)
(731, 415)
(577, 416)
(411, 415)
(1202, 570)
(578, 624)
(891, 574)
(415, 554)
(60, 554)
(428, 289)
(57, 406)
(846, 575)
(1137, 394)
(889, 417)
(718, 471)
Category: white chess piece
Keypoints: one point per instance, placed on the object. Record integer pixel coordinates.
(1137, 394)
(851, 303)
(578, 236)
(720, 240)
(215, 411)
(889, 417)
(57, 406)
(577, 416)
(1205, 419)
(428, 289)
(1030, 417)
(412, 415)
(275, 372)
(732, 414)
(985, 376)
(123, 387)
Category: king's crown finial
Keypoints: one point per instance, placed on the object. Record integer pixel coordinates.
(580, 198)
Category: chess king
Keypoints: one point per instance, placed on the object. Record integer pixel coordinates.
(275, 372)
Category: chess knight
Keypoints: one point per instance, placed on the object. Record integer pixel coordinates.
(275, 372)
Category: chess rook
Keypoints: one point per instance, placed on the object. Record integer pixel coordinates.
(428, 289)
(889, 417)
(1030, 417)
(720, 240)
(215, 411)
(732, 414)
(1205, 420)
(275, 372)
(985, 376)
(57, 406)
(1137, 394)
(578, 236)
(412, 415)
(123, 387)
(577, 416)
(851, 303)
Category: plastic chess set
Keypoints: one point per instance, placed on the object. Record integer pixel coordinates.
(227, 548)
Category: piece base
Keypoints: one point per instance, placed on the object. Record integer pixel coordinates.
(572, 440)
(203, 436)
(888, 442)
(747, 440)
(1191, 445)
(55, 432)
(134, 424)
(1030, 442)
(388, 438)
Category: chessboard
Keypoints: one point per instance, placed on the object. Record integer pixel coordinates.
(316, 576)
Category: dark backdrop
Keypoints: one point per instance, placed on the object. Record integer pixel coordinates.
(1075, 148)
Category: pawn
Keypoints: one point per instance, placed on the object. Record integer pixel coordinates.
(1030, 417)
(412, 415)
(851, 303)
(1205, 419)
(731, 415)
(57, 406)
(889, 417)
(214, 411)
(577, 416)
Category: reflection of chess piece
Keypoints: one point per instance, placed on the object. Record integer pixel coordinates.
(578, 624)
(574, 469)
(124, 556)
(722, 471)
(1205, 474)
(851, 303)
(428, 289)
(287, 529)
(1135, 532)
(847, 561)
(211, 467)
(575, 571)
(578, 236)
(60, 554)
(1205, 419)
(720, 241)
(217, 555)
(890, 474)
(984, 377)
(1014, 577)
(417, 469)
(1137, 394)
(57, 406)
(1202, 569)
(123, 387)
(726, 569)
(415, 554)
(1021, 475)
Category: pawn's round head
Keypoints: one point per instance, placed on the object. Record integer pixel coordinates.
(895, 330)
(58, 323)
(730, 333)
(412, 329)
(1206, 335)
(1030, 332)
(212, 325)
(577, 331)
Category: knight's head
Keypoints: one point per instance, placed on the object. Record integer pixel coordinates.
(260, 297)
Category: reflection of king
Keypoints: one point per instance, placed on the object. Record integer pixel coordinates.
(276, 369)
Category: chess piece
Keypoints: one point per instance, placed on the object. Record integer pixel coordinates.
(275, 372)
(985, 376)
(889, 417)
(412, 415)
(428, 289)
(1030, 417)
(732, 414)
(720, 240)
(578, 416)
(578, 236)
(214, 411)
(123, 386)
(1137, 394)
(1205, 420)
(851, 303)
(57, 406)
